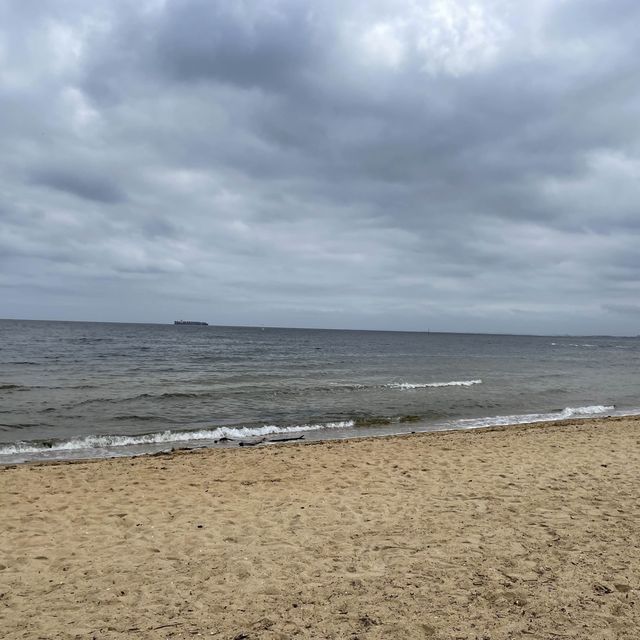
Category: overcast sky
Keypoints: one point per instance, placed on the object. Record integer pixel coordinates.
(440, 164)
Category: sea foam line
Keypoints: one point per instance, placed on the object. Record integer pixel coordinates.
(527, 418)
(88, 443)
(168, 436)
(425, 385)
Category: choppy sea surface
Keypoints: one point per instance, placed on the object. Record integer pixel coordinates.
(83, 390)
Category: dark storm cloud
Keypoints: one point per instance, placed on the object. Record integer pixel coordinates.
(375, 164)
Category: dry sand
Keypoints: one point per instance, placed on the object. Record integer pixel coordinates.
(521, 532)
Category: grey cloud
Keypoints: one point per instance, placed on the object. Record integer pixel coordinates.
(98, 188)
(353, 164)
(595, 18)
(261, 45)
(624, 309)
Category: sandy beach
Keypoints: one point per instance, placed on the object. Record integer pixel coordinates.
(518, 532)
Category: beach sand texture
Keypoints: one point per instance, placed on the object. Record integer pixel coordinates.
(519, 532)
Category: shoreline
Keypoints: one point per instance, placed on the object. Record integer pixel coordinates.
(309, 436)
(500, 532)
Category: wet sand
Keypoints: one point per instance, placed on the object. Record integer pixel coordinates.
(517, 532)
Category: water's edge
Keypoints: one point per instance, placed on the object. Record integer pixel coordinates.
(105, 447)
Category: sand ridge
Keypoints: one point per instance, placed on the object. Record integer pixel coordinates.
(518, 532)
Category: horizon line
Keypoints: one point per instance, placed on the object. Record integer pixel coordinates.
(424, 331)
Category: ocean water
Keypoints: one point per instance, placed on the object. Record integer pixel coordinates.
(82, 390)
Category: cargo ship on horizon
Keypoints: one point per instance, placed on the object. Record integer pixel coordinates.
(192, 322)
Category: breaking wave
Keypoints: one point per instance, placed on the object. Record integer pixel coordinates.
(526, 418)
(281, 391)
(425, 385)
(575, 344)
(126, 445)
(111, 441)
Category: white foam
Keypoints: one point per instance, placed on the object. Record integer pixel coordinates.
(117, 445)
(425, 385)
(591, 410)
(108, 442)
(568, 412)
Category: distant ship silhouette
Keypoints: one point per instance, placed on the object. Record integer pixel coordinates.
(205, 324)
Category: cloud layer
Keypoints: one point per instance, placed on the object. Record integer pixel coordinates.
(404, 165)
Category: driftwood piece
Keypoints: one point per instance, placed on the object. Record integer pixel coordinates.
(251, 443)
(286, 439)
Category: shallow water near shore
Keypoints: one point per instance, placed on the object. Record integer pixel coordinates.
(81, 390)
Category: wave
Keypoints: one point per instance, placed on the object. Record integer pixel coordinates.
(112, 445)
(356, 386)
(142, 396)
(135, 417)
(576, 344)
(425, 385)
(526, 418)
(591, 410)
(175, 394)
(11, 387)
(168, 436)
(20, 425)
(76, 386)
(209, 393)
